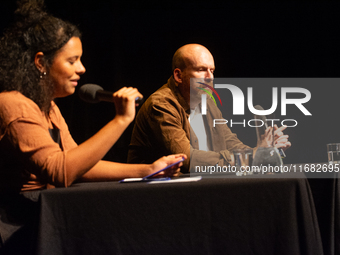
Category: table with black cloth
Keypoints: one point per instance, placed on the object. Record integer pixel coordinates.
(326, 196)
(274, 214)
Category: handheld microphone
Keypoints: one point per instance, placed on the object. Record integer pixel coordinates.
(92, 93)
(264, 127)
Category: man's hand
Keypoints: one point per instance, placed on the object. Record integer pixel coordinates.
(280, 139)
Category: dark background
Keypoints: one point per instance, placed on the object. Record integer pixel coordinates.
(130, 43)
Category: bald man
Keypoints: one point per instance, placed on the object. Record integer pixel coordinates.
(162, 124)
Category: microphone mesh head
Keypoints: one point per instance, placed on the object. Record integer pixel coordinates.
(258, 107)
(88, 93)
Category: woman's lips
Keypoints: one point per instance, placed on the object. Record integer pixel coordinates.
(74, 82)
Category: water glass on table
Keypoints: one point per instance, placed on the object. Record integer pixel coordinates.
(243, 161)
(333, 150)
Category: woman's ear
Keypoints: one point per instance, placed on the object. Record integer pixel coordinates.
(40, 62)
(178, 75)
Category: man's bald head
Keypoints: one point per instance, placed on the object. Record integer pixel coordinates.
(192, 61)
(185, 54)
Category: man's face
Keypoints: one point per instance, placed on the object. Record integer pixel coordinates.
(199, 64)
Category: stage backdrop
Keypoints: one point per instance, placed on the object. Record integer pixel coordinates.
(129, 43)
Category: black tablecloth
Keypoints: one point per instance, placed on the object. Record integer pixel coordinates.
(326, 196)
(269, 215)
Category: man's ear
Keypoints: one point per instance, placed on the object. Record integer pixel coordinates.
(39, 62)
(178, 75)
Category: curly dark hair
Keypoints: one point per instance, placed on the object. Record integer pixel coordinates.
(33, 31)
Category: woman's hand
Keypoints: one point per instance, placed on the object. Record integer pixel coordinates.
(164, 162)
(124, 100)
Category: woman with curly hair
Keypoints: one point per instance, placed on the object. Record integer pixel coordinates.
(40, 60)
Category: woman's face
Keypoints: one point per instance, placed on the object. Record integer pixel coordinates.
(67, 68)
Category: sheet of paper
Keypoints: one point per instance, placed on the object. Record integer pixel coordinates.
(186, 179)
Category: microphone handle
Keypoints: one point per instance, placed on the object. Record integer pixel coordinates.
(103, 95)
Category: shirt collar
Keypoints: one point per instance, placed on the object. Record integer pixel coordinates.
(177, 94)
